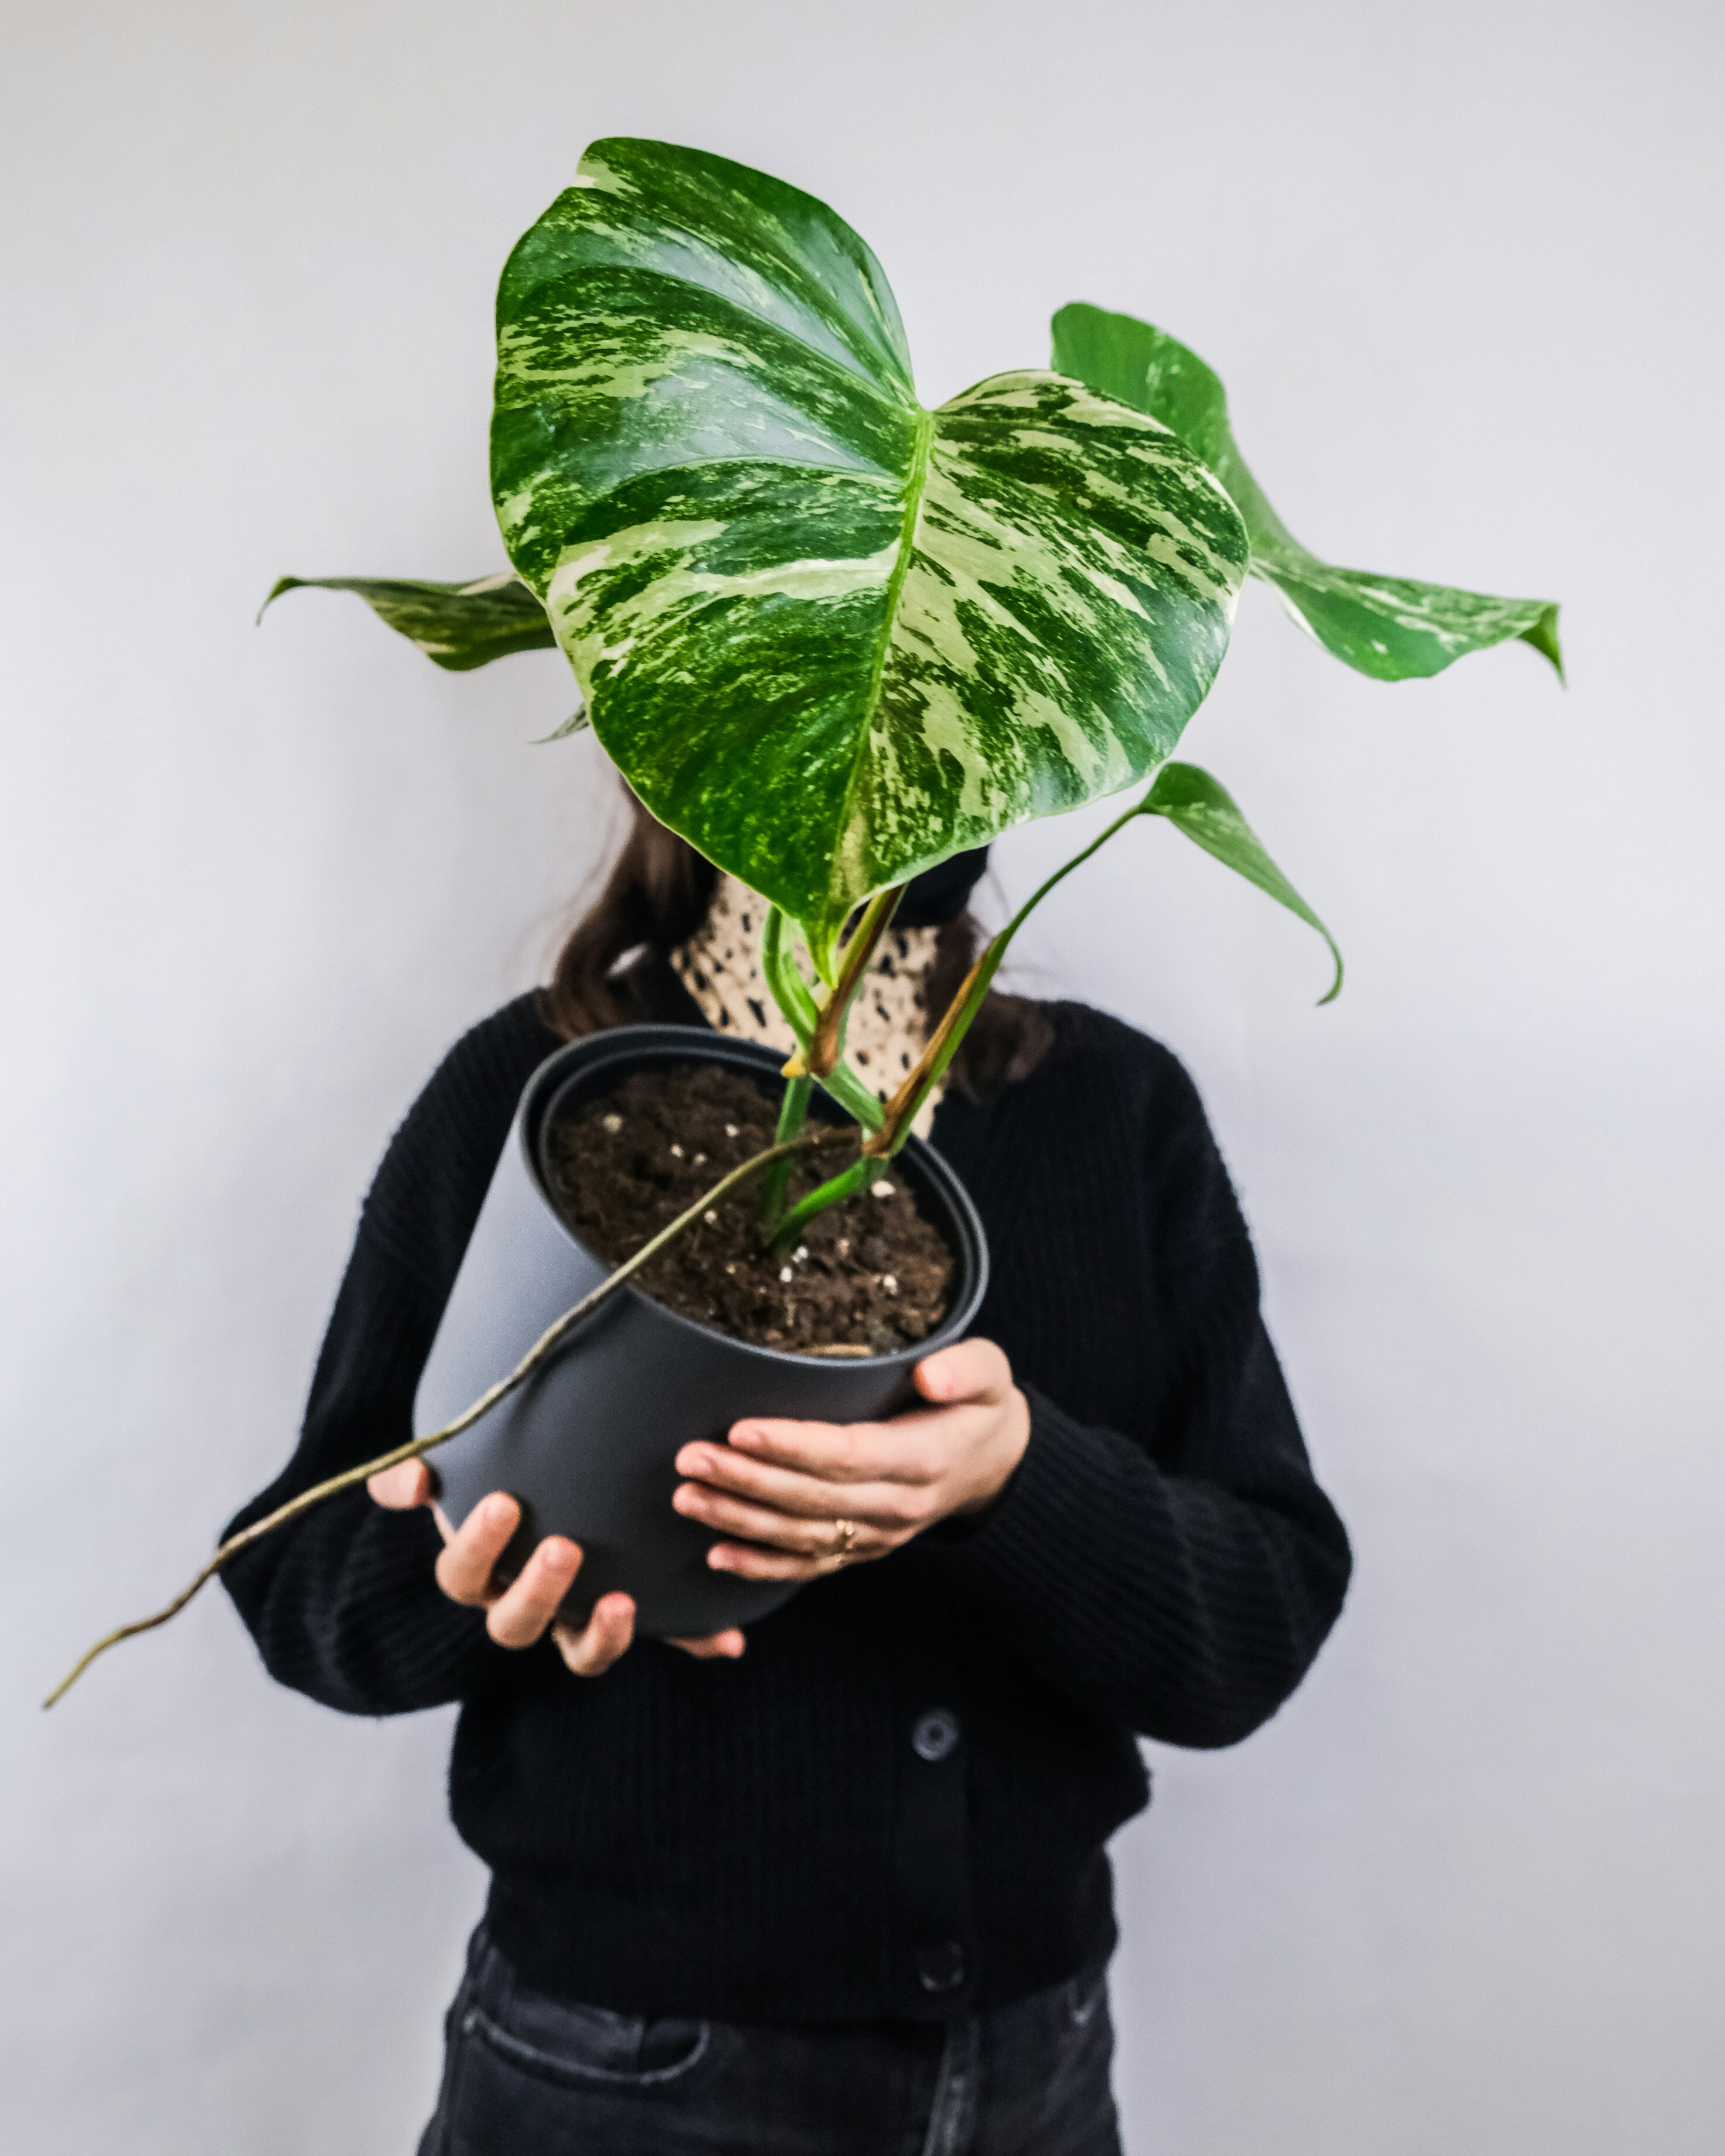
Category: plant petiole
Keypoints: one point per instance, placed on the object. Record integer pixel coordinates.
(793, 1114)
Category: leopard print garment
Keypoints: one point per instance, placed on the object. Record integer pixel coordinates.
(720, 966)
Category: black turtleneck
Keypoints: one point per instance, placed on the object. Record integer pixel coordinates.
(762, 1839)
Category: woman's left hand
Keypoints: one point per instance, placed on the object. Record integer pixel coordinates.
(803, 1498)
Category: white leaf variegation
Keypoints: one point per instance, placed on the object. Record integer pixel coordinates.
(459, 626)
(1394, 628)
(831, 637)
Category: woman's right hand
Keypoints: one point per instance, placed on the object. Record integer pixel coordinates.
(520, 1614)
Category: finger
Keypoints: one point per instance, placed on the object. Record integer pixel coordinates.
(881, 1510)
(400, 1489)
(747, 1561)
(836, 1452)
(968, 1370)
(591, 1650)
(464, 1571)
(913, 1448)
(761, 1481)
(726, 1645)
(520, 1613)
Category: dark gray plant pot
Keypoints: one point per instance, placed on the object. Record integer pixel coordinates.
(587, 1443)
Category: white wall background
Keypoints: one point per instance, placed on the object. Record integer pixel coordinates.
(1460, 268)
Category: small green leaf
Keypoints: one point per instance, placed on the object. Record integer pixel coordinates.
(1197, 804)
(1391, 627)
(829, 637)
(459, 626)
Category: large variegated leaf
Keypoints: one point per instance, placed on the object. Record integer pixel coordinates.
(1391, 627)
(829, 636)
(458, 625)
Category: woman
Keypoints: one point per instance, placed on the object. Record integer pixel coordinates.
(840, 1886)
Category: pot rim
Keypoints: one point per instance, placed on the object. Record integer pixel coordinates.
(699, 1042)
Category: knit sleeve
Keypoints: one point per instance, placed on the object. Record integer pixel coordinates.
(1180, 1579)
(343, 1603)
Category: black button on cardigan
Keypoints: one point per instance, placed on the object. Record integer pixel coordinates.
(935, 1734)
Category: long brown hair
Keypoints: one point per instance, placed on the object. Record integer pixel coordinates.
(656, 896)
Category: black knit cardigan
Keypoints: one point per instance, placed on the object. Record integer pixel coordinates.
(790, 1836)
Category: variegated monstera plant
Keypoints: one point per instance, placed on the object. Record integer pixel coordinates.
(832, 638)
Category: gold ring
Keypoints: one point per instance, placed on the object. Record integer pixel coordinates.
(844, 1538)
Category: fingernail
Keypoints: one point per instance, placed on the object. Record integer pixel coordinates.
(684, 1498)
(748, 1436)
(720, 1561)
(692, 1460)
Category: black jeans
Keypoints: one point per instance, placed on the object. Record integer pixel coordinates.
(525, 2075)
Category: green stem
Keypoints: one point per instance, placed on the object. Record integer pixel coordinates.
(854, 1097)
(789, 988)
(793, 1114)
(791, 993)
(856, 1178)
(944, 1043)
(826, 1046)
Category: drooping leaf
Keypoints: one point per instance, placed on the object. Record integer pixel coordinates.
(1203, 808)
(829, 637)
(460, 626)
(1391, 627)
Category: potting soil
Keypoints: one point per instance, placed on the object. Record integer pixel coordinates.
(868, 1276)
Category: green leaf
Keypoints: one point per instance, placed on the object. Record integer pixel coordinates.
(458, 625)
(1203, 808)
(1391, 627)
(829, 636)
